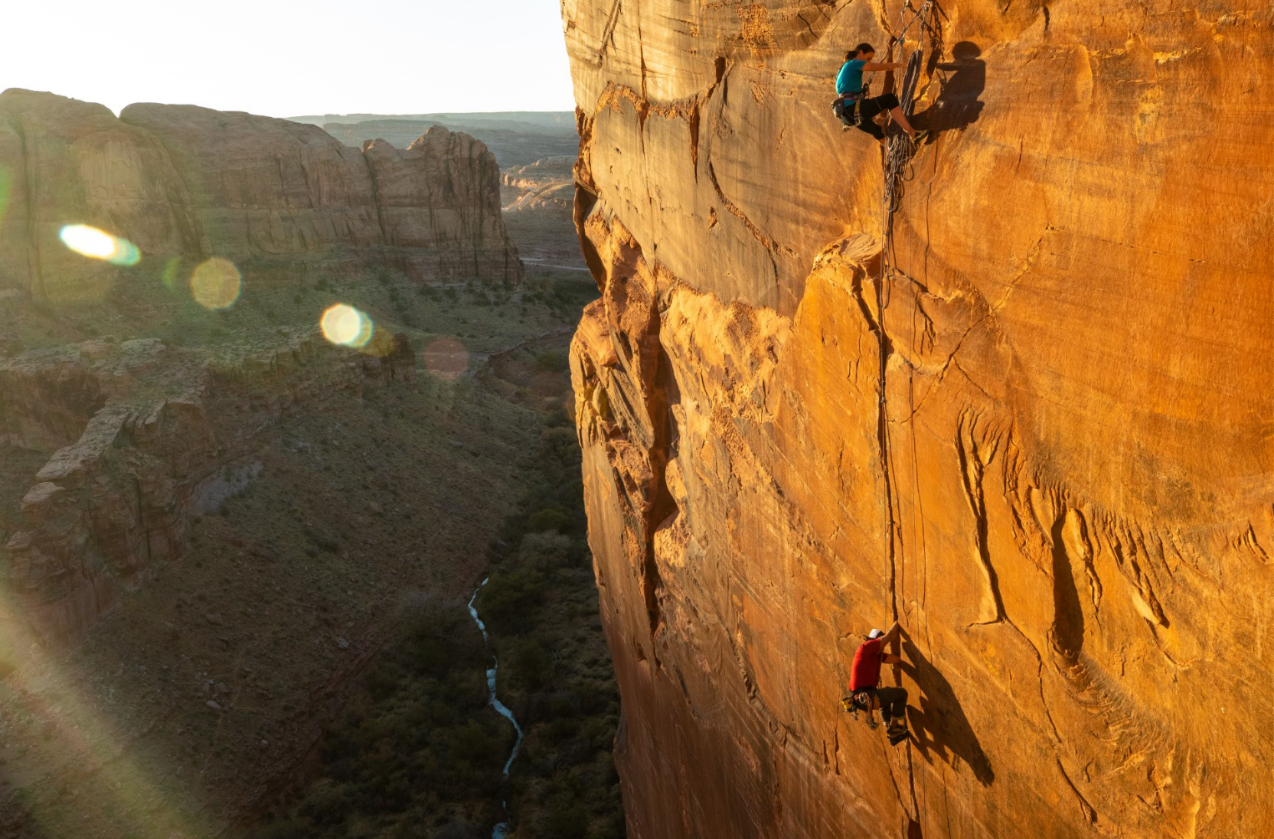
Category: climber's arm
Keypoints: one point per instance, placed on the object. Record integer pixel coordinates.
(891, 636)
(872, 66)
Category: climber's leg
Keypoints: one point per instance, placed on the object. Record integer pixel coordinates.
(901, 119)
(869, 126)
(893, 705)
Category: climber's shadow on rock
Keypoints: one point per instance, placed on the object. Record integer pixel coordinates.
(961, 83)
(938, 724)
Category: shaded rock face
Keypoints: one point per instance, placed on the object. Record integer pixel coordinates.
(188, 181)
(114, 502)
(1041, 440)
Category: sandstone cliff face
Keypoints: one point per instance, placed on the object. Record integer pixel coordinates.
(182, 180)
(1041, 439)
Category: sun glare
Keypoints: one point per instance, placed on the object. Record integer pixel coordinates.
(98, 244)
(446, 358)
(215, 283)
(346, 326)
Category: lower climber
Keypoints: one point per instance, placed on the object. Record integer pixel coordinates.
(864, 685)
(852, 104)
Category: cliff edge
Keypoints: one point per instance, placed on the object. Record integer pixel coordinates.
(1026, 413)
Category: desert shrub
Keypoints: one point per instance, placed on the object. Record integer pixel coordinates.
(418, 737)
(552, 360)
(551, 518)
(561, 443)
(566, 818)
(529, 666)
(545, 551)
(506, 600)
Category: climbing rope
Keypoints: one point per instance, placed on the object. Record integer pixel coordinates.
(898, 171)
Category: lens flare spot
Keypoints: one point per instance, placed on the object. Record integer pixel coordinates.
(215, 283)
(344, 325)
(171, 270)
(98, 244)
(446, 358)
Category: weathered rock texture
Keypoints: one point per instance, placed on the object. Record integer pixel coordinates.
(187, 181)
(1050, 456)
(139, 430)
(546, 184)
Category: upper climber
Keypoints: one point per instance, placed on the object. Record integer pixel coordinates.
(853, 106)
(864, 684)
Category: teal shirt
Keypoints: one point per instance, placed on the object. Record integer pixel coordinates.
(850, 78)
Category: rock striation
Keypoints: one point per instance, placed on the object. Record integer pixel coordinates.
(1032, 423)
(178, 180)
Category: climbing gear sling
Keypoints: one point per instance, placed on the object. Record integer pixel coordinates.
(845, 107)
(860, 700)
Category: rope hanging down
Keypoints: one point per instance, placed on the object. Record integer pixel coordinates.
(897, 171)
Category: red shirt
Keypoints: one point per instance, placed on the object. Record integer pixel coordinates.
(866, 670)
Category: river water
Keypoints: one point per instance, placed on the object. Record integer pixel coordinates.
(501, 829)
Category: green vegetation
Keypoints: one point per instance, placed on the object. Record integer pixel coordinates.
(418, 752)
(417, 747)
(541, 609)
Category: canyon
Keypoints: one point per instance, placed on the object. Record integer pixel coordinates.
(1025, 411)
(129, 425)
(215, 515)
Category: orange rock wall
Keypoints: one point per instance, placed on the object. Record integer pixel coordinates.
(1043, 441)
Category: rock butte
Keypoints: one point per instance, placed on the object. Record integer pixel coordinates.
(189, 181)
(1059, 476)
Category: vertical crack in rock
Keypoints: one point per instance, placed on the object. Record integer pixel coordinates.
(875, 323)
(972, 470)
(33, 243)
(663, 506)
(377, 201)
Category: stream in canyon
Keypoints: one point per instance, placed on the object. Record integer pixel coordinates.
(501, 829)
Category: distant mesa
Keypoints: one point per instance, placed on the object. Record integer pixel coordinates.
(516, 138)
(179, 180)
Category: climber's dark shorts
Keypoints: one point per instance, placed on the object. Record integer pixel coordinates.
(892, 701)
(869, 108)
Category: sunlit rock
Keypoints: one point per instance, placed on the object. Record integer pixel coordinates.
(1041, 441)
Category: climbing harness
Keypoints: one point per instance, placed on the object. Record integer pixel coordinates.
(845, 107)
(860, 700)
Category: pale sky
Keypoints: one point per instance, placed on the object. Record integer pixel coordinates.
(292, 57)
